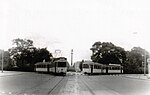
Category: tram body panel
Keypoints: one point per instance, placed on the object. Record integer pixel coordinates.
(114, 71)
(41, 70)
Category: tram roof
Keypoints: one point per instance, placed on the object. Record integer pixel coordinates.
(115, 65)
(44, 63)
(61, 60)
(94, 63)
(91, 63)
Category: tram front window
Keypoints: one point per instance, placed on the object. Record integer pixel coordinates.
(61, 64)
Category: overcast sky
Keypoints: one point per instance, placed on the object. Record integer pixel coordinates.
(75, 24)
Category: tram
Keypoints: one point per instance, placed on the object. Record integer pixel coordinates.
(90, 67)
(60, 66)
(57, 66)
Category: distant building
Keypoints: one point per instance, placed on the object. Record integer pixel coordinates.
(77, 66)
(6, 59)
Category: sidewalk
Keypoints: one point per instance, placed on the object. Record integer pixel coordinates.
(137, 76)
(9, 73)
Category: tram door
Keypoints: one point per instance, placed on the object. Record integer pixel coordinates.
(55, 66)
(47, 68)
(91, 69)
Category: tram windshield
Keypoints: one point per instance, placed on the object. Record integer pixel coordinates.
(61, 64)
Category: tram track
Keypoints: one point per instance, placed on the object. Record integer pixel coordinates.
(56, 85)
(87, 86)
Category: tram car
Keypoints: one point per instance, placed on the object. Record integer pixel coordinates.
(60, 65)
(114, 68)
(90, 67)
(57, 66)
(44, 67)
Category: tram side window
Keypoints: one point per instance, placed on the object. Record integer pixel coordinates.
(96, 66)
(50, 65)
(116, 68)
(113, 68)
(44, 66)
(85, 66)
(100, 67)
(39, 66)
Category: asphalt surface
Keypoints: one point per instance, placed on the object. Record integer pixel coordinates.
(71, 84)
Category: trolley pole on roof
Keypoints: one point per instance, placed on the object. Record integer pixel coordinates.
(71, 56)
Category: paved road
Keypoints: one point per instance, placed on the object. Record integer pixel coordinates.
(72, 84)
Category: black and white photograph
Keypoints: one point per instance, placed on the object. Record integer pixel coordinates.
(74, 47)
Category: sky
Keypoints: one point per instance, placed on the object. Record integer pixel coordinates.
(75, 24)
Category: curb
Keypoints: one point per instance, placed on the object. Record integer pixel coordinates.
(132, 77)
(5, 73)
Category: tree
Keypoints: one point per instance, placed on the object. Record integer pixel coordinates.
(44, 54)
(107, 53)
(26, 55)
(135, 60)
(18, 52)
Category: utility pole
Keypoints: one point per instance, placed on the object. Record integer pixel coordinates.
(71, 56)
(145, 63)
(2, 61)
